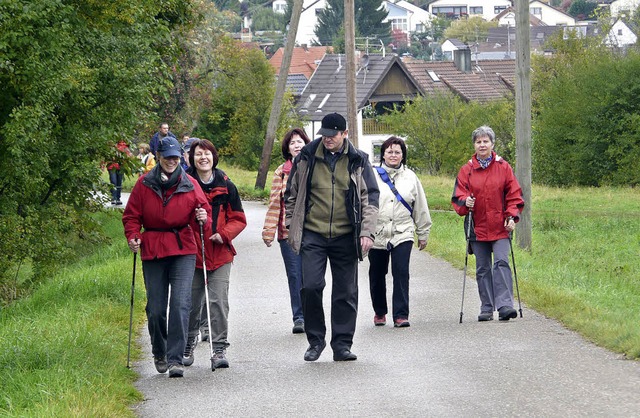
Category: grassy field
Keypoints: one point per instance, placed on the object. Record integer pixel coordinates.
(64, 347)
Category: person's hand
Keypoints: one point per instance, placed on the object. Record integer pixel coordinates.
(509, 224)
(216, 238)
(134, 244)
(201, 215)
(267, 242)
(422, 244)
(366, 243)
(470, 202)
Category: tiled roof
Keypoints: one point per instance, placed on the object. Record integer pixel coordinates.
(326, 91)
(480, 85)
(303, 61)
(296, 83)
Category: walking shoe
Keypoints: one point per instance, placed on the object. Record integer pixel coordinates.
(485, 316)
(344, 355)
(379, 320)
(506, 312)
(401, 323)
(204, 334)
(118, 202)
(161, 364)
(176, 370)
(219, 359)
(188, 357)
(298, 326)
(314, 351)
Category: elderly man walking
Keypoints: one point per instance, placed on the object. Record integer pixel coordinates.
(331, 210)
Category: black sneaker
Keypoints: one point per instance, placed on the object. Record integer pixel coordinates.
(161, 364)
(176, 370)
(485, 316)
(298, 326)
(219, 359)
(188, 356)
(204, 335)
(506, 312)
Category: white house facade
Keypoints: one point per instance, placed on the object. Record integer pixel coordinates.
(623, 7)
(406, 17)
(621, 35)
(487, 9)
(550, 15)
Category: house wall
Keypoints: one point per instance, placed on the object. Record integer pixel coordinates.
(549, 15)
(620, 35)
(623, 5)
(489, 8)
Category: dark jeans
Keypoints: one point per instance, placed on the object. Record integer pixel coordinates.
(378, 268)
(115, 178)
(293, 267)
(341, 252)
(169, 338)
(495, 285)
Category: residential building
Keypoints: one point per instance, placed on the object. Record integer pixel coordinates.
(382, 81)
(487, 9)
(622, 34)
(541, 14)
(407, 18)
(624, 7)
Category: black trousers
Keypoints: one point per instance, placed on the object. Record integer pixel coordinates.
(378, 268)
(341, 253)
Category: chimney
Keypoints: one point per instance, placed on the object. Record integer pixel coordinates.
(462, 59)
(304, 46)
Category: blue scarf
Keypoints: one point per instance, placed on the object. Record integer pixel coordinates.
(484, 163)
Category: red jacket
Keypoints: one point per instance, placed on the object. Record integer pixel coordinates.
(228, 219)
(169, 222)
(498, 196)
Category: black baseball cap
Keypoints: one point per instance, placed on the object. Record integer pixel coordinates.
(332, 124)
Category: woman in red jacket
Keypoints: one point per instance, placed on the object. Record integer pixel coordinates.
(227, 221)
(487, 191)
(169, 205)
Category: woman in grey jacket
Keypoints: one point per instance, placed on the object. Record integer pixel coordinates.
(403, 211)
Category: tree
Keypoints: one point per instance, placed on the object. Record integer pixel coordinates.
(266, 19)
(438, 130)
(74, 79)
(582, 9)
(369, 15)
(469, 30)
(587, 130)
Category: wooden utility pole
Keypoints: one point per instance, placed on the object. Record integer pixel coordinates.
(523, 120)
(350, 49)
(276, 106)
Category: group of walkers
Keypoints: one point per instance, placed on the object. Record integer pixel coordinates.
(327, 202)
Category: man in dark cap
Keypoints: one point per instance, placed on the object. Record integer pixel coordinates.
(331, 211)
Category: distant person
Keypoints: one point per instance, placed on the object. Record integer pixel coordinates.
(186, 146)
(292, 144)
(487, 193)
(227, 221)
(403, 213)
(116, 170)
(163, 132)
(146, 157)
(168, 205)
(331, 209)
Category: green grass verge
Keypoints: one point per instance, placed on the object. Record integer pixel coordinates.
(64, 347)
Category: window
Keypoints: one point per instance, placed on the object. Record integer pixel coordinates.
(318, 11)
(475, 10)
(450, 10)
(619, 32)
(420, 27)
(499, 9)
(536, 11)
(399, 24)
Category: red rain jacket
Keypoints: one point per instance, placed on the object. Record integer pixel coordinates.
(169, 221)
(498, 196)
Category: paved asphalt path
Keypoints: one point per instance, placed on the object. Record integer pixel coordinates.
(525, 367)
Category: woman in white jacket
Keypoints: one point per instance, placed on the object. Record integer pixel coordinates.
(403, 211)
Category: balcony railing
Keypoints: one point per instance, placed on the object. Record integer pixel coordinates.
(373, 127)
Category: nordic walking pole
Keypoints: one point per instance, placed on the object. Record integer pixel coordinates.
(133, 287)
(466, 259)
(206, 294)
(515, 275)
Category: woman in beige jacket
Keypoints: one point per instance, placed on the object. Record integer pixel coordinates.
(403, 211)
